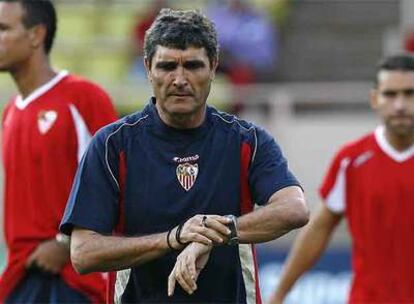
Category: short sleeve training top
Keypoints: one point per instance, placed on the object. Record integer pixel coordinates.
(140, 177)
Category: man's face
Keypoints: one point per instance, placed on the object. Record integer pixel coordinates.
(394, 101)
(181, 79)
(15, 39)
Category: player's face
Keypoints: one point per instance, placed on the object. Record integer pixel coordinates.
(16, 42)
(181, 81)
(393, 100)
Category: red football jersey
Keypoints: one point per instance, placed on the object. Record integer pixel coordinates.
(373, 185)
(44, 137)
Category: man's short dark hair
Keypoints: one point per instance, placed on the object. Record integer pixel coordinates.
(403, 62)
(180, 30)
(40, 12)
(400, 62)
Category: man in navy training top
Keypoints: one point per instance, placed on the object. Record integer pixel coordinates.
(168, 192)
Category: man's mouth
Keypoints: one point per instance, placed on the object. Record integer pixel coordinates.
(180, 94)
(401, 118)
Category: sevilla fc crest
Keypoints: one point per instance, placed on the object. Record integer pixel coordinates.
(45, 120)
(187, 175)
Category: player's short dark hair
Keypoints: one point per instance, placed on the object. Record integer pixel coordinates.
(180, 30)
(400, 62)
(40, 12)
(403, 62)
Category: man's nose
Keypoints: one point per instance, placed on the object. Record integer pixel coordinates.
(180, 78)
(399, 102)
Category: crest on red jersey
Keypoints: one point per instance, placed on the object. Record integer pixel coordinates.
(187, 175)
(45, 120)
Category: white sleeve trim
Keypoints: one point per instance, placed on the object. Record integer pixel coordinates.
(336, 199)
(83, 135)
(121, 282)
(248, 271)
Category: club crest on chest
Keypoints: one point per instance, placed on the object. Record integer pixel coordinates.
(45, 120)
(186, 172)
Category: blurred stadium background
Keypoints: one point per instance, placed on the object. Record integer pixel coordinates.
(312, 100)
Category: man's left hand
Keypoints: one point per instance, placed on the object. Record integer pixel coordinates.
(49, 256)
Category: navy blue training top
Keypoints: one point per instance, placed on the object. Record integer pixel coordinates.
(140, 176)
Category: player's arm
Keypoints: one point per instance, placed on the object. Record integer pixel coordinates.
(306, 250)
(91, 251)
(285, 210)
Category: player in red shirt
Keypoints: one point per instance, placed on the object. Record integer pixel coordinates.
(371, 183)
(46, 128)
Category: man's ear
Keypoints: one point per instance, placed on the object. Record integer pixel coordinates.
(214, 65)
(373, 98)
(147, 65)
(37, 35)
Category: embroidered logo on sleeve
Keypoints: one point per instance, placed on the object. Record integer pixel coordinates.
(45, 120)
(363, 158)
(187, 175)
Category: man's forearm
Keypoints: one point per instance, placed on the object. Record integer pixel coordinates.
(285, 211)
(91, 251)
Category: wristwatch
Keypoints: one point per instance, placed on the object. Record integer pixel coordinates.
(234, 237)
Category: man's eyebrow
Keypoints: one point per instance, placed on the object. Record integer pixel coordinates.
(4, 25)
(163, 64)
(194, 62)
(396, 91)
(171, 64)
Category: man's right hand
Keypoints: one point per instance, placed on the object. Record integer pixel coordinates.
(275, 299)
(188, 266)
(49, 256)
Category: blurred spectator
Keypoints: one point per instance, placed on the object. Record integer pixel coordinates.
(409, 41)
(248, 40)
(143, 22)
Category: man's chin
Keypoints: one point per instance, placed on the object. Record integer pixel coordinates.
(182, 111)
(402, 130)
(184, 107)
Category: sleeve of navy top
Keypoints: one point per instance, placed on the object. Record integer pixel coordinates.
(269, 170)
(93, 201)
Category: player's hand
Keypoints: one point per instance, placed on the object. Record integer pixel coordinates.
(205, 229)
(188, 266)
(49, 256)
(275, 299)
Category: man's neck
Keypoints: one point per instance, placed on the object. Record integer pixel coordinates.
(182, 121)
(31, 76)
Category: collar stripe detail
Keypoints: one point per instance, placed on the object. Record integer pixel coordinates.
(23, 103)
(390, 150)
